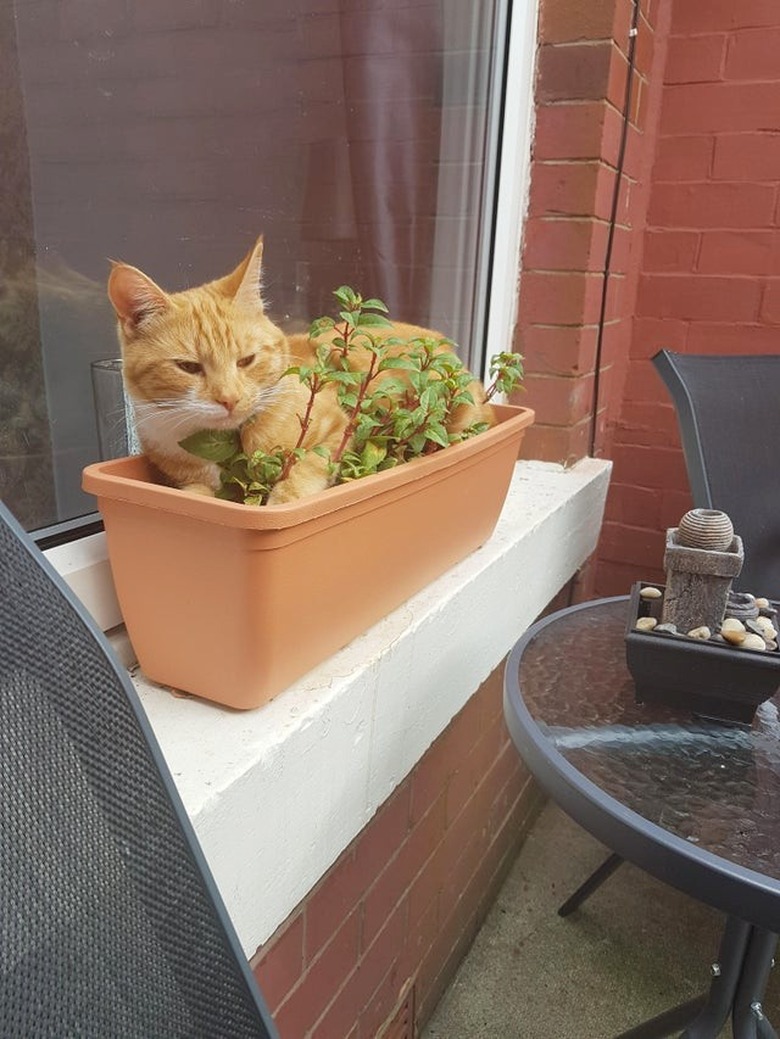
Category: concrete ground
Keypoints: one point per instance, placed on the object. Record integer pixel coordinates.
(633, 950)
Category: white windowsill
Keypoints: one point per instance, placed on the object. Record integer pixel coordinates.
(277, 793)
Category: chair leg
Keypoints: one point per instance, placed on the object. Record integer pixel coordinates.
(594, 881)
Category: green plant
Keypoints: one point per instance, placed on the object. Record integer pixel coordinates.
(397, 407)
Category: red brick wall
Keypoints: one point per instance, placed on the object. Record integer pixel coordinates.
(405, 899)
(710, 265)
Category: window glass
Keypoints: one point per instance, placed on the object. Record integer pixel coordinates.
(353, 134)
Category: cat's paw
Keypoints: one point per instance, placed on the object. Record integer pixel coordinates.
(199, 488)
(293, 490)
(282, 493)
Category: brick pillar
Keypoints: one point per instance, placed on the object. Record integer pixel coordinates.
(565, 329)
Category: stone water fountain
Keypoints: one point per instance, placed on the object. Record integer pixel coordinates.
(703, 556)
(694, 643)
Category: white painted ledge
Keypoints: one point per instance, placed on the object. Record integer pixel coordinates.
(277, 793)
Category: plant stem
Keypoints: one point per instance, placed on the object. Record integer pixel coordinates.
(314, 389)
(305, 422)
(346, 334)
(352, 423)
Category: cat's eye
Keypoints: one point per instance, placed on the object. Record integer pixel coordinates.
(190, 367)
(244, 362)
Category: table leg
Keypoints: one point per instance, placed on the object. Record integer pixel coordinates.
(748, 1018)
(704, 1018)
(594, 881)
(668, 1023)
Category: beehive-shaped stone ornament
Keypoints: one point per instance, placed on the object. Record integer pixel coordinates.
(703, 556)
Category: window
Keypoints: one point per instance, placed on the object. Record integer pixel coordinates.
(359, 136)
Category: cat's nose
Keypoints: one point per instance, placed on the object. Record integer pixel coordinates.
(228, 403)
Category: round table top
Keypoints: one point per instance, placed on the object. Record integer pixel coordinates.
(695, 803)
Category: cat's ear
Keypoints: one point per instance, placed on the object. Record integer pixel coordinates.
(244, 283)
(133, 296)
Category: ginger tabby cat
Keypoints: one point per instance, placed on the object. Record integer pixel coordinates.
(210, 358)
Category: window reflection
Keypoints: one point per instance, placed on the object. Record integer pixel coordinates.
(351, 133)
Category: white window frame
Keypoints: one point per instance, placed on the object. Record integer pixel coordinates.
(83, 562)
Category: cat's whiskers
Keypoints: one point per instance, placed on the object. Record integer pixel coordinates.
(186, 407)
(114, 419)
(163, 410)
(169, 417)
(264, 396)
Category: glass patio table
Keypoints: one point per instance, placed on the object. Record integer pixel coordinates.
(695, 803)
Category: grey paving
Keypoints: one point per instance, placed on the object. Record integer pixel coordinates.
(633, 950)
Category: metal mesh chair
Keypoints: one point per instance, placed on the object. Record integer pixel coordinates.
(110, 923)
(728, 410)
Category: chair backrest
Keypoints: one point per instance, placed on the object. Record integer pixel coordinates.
(110, 922)
(728, 409)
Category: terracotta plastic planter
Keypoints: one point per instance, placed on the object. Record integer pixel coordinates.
(234, 603)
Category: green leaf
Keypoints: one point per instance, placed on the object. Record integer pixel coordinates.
(322, 324)
(348, 400)
(345, 378)
(418, 416)
(365, 425)
(428, 398)
(392, 386)
(373, 321)
(346, 296)
(507, 371)
(397, 362)
(214, 445)
(370, 343)
(437, 434)
(419, 381)
(446, 364)
(322, 451)
(375, 304)
(402, 425)
(303, 372)
(372, 454)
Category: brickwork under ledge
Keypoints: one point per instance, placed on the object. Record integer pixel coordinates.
(280, 794)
